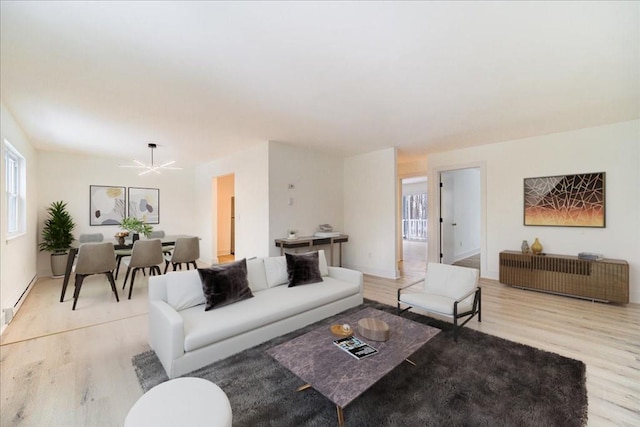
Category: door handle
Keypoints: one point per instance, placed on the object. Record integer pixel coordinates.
(454, 224)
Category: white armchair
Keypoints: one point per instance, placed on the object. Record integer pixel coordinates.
(449, 291)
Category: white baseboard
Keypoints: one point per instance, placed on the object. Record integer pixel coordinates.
(387, 274)
(14, 310)
(3, 325)
(466, 254)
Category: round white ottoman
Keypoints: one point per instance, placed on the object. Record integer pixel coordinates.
(183, 401)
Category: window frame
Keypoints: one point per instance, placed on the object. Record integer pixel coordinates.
(15, 190)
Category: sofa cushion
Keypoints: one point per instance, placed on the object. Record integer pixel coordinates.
(275, 269)
(225, 284)
(184, 289)
(204, 328)
(256, 275)
(303, 269)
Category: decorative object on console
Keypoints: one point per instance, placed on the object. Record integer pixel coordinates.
(590, 256)
(326, 230)
(565, 200)
(525, 247)
(536, 247)
(293, 233)
(106, 205)
(151, 167)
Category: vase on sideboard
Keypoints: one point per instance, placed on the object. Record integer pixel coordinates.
(536, 247)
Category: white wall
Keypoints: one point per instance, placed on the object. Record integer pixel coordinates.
(414, 188)
(67, 177)
(317, 196)
(18, 256)
(370, 212)
(251, 170)
(613, 149)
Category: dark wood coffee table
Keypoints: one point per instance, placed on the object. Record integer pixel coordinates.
(340, 377)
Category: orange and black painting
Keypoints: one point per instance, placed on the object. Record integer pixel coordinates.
(565, 200)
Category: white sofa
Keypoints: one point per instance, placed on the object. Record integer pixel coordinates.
(185, 337)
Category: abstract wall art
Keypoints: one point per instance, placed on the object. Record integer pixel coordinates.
(565, 200)
(106, 205)
(144, 203)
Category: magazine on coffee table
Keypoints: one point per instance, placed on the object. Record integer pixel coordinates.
(355, 347)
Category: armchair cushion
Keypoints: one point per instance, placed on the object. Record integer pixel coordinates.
(435, 303)
(450, 281)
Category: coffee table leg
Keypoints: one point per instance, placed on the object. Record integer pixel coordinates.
(303, 387)
(340, 416)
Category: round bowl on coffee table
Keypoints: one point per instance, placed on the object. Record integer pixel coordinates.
(373, 329)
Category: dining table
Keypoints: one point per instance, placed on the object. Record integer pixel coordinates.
(168, 240)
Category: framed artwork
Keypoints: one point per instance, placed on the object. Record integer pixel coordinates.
(106, 205)
(565, 200)
(144, 203)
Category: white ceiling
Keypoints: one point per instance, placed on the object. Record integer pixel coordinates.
(205, 79)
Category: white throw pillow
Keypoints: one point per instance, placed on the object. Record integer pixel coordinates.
(184, 289)
(256, 274)
(275, 269)
(322, 260)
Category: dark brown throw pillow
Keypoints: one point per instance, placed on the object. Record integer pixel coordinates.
(303, 269)
(225, 284)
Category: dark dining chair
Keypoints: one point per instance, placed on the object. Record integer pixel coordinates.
(95, 258)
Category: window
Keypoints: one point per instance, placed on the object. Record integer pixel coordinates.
(15, 180)
(414, 217)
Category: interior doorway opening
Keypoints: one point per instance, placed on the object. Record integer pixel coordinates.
(414, 225)
(460, 217)
(225, 221)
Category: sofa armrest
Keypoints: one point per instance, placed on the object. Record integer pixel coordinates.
(347, 275)
(166, 333)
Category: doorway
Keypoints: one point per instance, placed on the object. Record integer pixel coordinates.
(225, 224)
(460, 217)
(414, 225)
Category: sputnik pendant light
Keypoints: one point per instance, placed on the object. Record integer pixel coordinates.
(152, 167)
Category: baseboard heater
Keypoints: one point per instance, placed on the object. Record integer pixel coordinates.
(604, 280)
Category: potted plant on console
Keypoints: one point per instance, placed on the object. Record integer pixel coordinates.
(136, 226)
(57, 237)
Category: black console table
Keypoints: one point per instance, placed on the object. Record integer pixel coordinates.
(311, 241)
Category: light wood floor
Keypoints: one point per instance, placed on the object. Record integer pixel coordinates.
(64, 368)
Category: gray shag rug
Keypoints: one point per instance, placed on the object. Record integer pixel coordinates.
(481, 380)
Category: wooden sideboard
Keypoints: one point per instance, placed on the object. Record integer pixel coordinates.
(604, 280)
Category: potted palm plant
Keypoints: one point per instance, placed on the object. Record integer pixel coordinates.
(57, 237)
